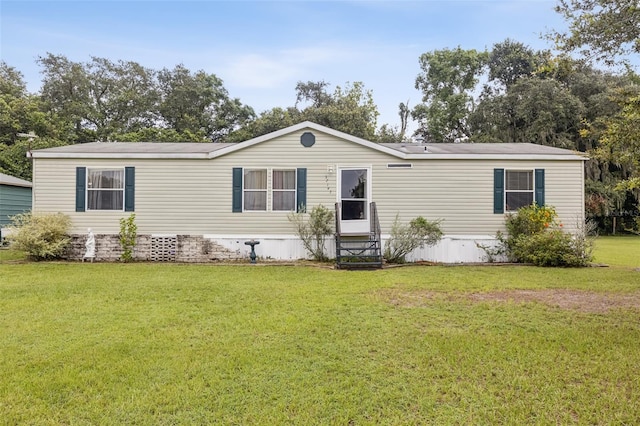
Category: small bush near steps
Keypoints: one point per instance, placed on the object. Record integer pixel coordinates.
(420, 232)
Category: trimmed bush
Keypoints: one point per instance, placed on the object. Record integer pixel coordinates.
(42, 236)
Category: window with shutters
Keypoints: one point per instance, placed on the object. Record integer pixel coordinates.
(105, 189)
(268, 189)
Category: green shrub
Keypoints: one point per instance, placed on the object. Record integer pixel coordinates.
(550, 248)
(531, 220)
(128, 234)
(535, 236)
(313, 232)
(405, 238)
(41, 236)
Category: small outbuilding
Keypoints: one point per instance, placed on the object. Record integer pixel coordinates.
(15, 198)
(203, 201)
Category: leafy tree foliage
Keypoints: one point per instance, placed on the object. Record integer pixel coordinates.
(447, 80)
(532, 110)
(21, 112)
(100, 97)
(621, 138)
(600, 29)
(510, 61)
(198, 103)
(14, 160)
(104, 99)
(350, 109)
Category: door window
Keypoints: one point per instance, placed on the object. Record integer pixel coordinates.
(353, 192)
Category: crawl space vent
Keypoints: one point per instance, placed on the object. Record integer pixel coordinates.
(163, 248)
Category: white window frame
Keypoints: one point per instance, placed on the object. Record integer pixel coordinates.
(88, 189)
(265, 190)
(294, 190)
(506, 191)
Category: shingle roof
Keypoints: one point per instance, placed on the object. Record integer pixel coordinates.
(479, 148)
(212, 150)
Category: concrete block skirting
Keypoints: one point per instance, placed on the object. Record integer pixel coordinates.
(159, 248)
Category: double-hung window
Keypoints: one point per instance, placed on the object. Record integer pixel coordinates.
(105, 189)
(255, 189)
(518, 189)
(283, 190)
(513, 189)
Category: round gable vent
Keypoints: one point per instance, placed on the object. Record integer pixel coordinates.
(307, 139)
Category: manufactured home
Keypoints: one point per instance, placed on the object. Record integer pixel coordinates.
(204, 201)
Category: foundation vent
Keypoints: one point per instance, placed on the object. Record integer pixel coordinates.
(163, 248)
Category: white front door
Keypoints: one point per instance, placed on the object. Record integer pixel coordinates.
(354, 196)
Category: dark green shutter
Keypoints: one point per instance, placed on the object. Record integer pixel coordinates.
(237, 190)
(498, 191)
(539, 186)
(129, 189)
(301, 190)
(81, 186)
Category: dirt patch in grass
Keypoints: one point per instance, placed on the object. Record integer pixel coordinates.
(583, 301)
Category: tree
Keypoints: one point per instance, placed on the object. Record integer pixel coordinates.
(269, 121)
(22, 112)
(197, 103)
(621, 139)
(14, 160)
(393, 134)
(314, 92)
(65, 90)
(510, 61)
(532, 110)
(105, 100)
(447, 81)
(350, 110)
(100, 97)
(600, 29)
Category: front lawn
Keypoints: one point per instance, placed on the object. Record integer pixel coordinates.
(194, 344)
(623, 250)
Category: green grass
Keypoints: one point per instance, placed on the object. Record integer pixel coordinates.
(7, 255)
(618, 250)
(193, 344)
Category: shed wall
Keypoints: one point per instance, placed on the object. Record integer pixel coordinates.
(13, 200)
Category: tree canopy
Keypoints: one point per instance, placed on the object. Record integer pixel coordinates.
(600, 29)
(446, 80)
(105, 100)
(350, 109)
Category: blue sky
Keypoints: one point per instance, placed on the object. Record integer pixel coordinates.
(261, 49)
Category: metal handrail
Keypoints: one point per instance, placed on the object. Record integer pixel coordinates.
(375, 221)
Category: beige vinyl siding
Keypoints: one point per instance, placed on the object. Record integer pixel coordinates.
(195, 196)
(461, 193)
